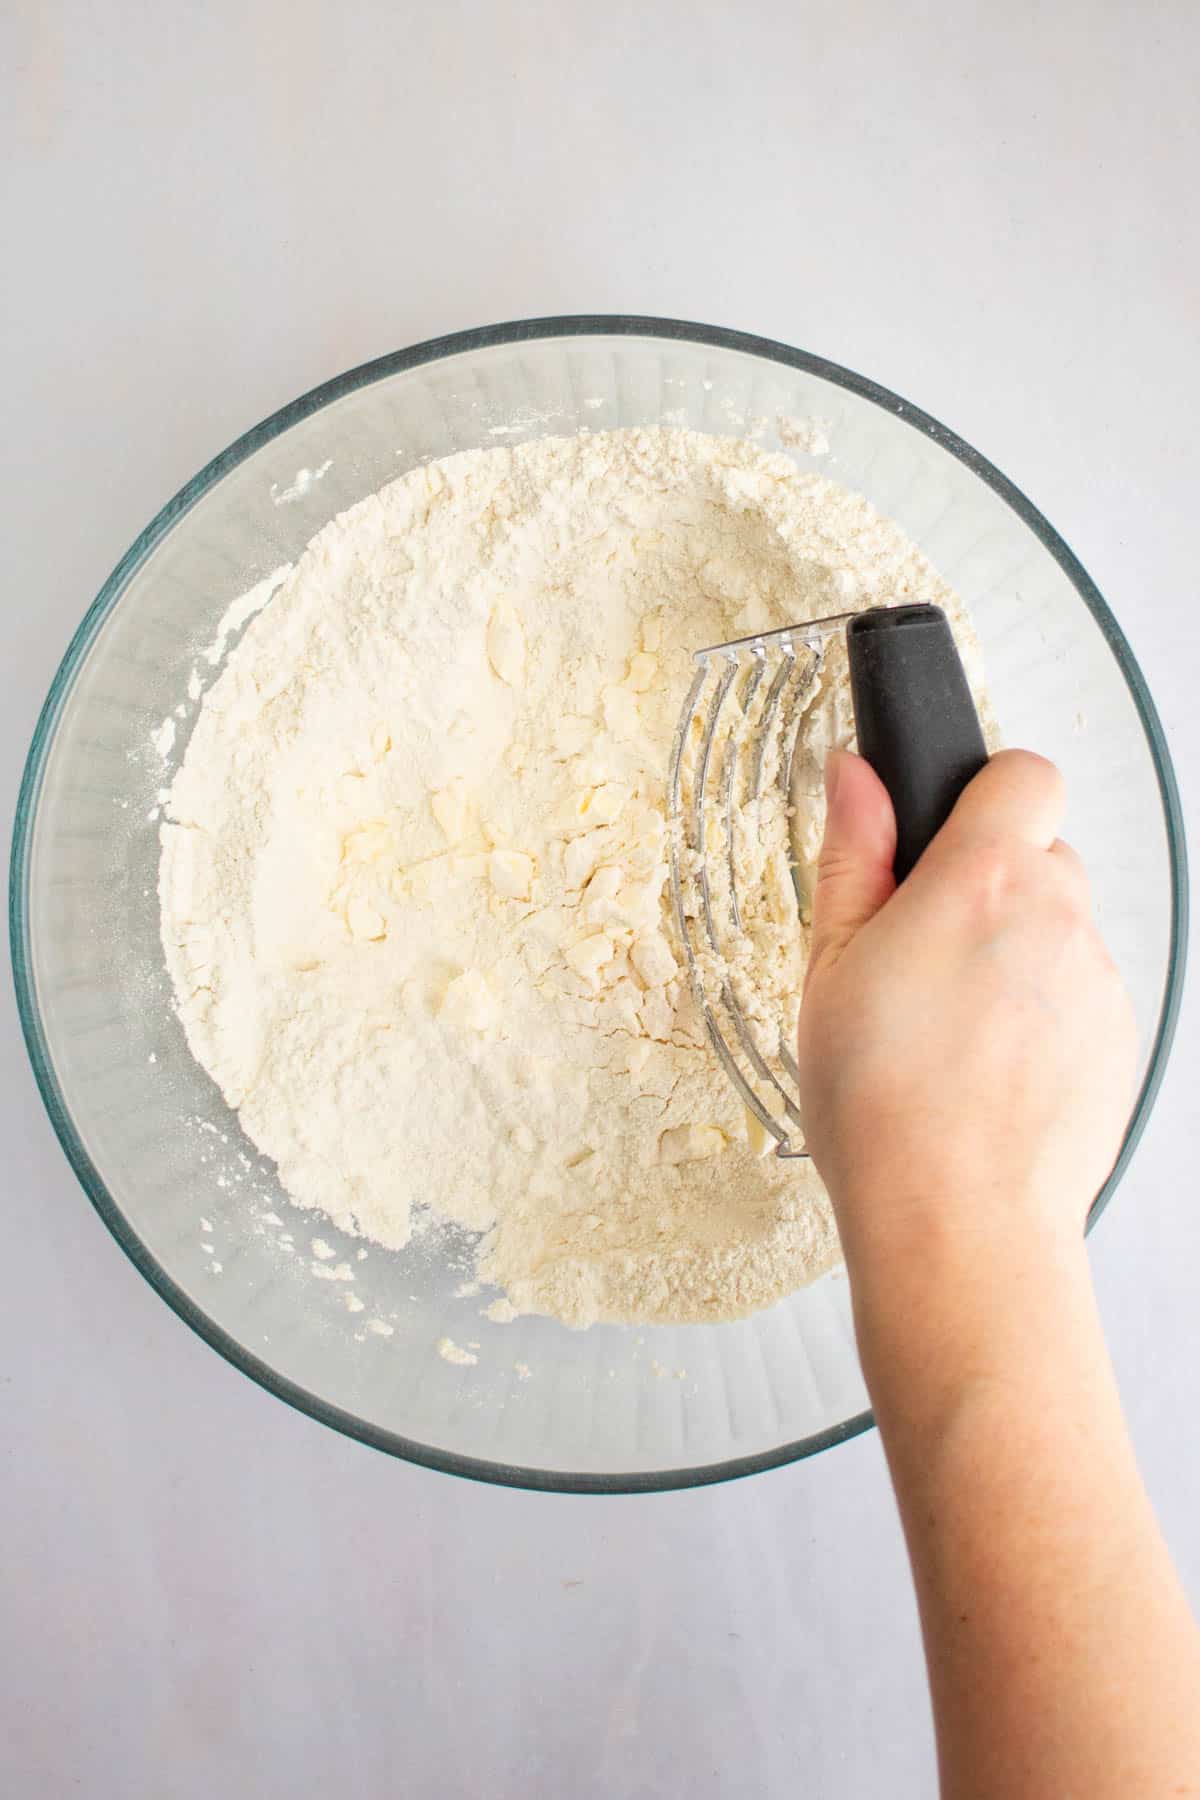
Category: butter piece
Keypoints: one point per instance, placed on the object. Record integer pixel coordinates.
(643, 669)
(621, 715)
(511, 873)
(601, 891)
(581, 856)
(624, 1000)
(589, 956)
(657, 1014)
(363, 921)
(653, 959)
(690, 1143)
(758, 1137)
(468, 1002)
(604, 804)
(449, 808)
(506, 644)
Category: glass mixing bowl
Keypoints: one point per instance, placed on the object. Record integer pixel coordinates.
(147, 1132)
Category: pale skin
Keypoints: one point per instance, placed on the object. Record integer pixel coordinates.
(967, 1052)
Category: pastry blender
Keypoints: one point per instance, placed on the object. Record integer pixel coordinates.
(735, 754)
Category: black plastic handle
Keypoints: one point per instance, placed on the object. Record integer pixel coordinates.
(916, 722)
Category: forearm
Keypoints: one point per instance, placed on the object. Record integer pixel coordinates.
(1041, 1576)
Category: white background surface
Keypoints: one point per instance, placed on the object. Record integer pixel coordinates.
(209, 209)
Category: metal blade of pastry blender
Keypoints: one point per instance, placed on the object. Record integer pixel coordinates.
(916, 724)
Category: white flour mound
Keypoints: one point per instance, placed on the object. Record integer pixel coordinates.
(415, 902)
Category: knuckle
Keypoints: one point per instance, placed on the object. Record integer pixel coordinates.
(988, 876)
(1037, 772)
(1000, 877)
(834, 864)
(1048, 776)
(1071, 872)
(1068, 919)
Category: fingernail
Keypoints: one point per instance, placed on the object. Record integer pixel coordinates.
(833, 774)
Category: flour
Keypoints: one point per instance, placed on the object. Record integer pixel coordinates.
(414, 889)
(233, 618)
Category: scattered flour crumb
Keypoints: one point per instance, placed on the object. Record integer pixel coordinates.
(163, 738)
(451, 1352)
(304, 481)
(381, 1328)
(523, 1371)
(342, 1271)
(353, 1303)
(324, 1251)
(811, 436)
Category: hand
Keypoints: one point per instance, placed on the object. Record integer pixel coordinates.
(967, 1049)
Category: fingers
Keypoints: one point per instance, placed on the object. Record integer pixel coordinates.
(1074, 875)
(854, 874)
(1017, 794)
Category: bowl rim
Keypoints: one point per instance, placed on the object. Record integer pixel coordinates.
(433, 350)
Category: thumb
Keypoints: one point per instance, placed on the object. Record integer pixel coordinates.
(854, 872)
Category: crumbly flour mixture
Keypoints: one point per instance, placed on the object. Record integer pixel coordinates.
(415, 902)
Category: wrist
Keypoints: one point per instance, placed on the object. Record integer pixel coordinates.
(948, 1289)
(946, 1221)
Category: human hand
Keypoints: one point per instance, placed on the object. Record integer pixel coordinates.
(967, 1048)
(967, 1056)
